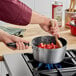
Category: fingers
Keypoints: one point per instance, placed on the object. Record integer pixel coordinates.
(17, 45)
(20, 43)
(53, 30)
(53, 23)
(55, 33)
(22, 40)
(45, 27)
(21, 46)
(54, 27)
(18, 39)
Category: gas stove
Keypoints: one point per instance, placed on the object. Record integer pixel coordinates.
(25, 65)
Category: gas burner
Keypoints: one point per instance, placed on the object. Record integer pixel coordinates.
(66, 68)
(48, 66)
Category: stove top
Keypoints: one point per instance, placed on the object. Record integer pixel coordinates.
(66, 68)
(25, 65)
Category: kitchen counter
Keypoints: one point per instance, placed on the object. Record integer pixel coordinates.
(33, 31)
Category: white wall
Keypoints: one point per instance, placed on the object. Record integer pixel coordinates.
(43, 6)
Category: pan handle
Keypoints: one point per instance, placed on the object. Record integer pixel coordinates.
(14, 44)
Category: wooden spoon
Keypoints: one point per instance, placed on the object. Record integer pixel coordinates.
(58, 42)
(73, 5)
(70, 6)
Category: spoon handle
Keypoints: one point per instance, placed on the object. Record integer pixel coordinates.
(58, 42)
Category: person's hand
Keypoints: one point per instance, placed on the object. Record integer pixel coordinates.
(50, 26)
(19, 42)
(7, 38)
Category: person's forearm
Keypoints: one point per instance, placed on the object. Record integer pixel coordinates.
(3, 35)
(37, 18)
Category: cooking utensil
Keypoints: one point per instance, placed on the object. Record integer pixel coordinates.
(72, 5)
(50, 56)
(58, 43)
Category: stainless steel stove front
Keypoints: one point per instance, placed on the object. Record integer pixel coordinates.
(3, 69)
(16, 65)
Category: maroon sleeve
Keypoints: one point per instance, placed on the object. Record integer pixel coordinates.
(15, 12)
